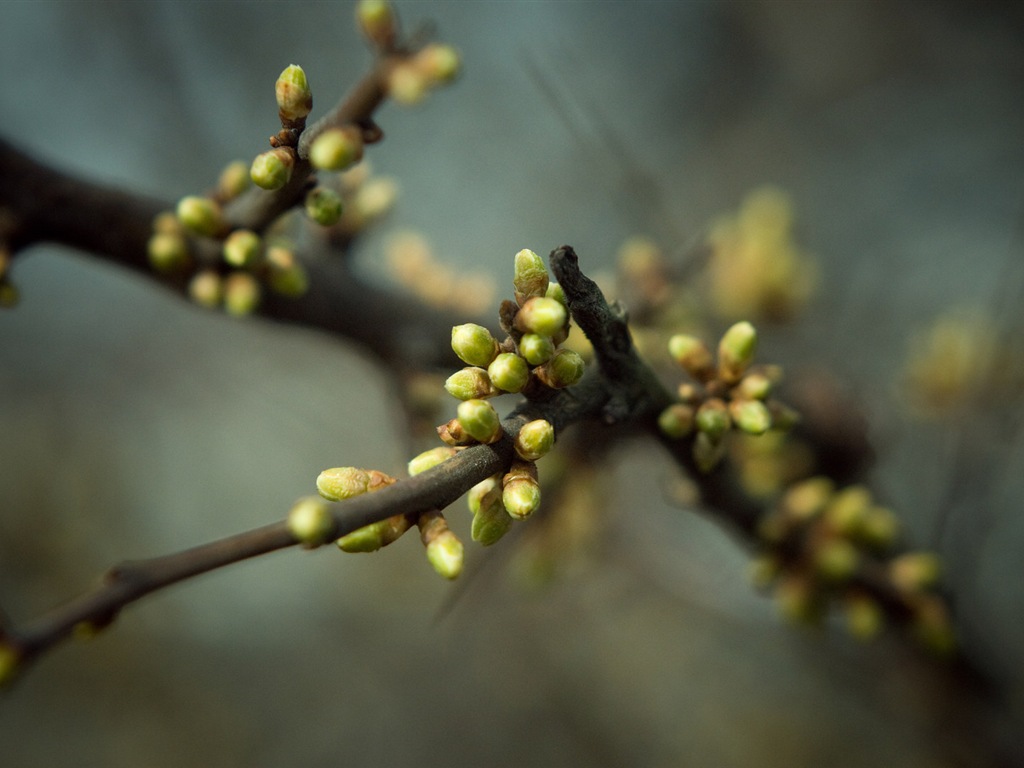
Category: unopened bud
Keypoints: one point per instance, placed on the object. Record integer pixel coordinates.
(752, 416)
(372, 537)
(337, 149)
(241, 294)
(287, 276)
(272, 170)
(453, 434)
(242, 248)
(310, 521)
(847, 509)
(294, 98)
(713, 419)
(443, 548)
(692, 355)
(377, 21)
(429, 459)
(556, 292)
(677, 420)
(535, 439)
(206, 289)
(879, 528)
(438, 62)
(167, 252)
(707, 453)
(564, 369)
(323, 205)
(520, 494)
(864, 616)
(340, 483)
(536, 349)
(233, 180)
(200, 215)
(543, 316)
(480, 420)
(474, 344)
(807, 499)
(797, 600)
(508, 372)
(836, 559)
(754, 386)
(406, 84)
(736, 351)
(530, 277)
(914, 571)
(470, 384)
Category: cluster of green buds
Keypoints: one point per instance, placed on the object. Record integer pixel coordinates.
(821, 545)
(724, 395)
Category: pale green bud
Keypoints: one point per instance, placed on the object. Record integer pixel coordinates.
(692, 355)
(508, 372)
(736, 351)
(241, 294)
(806, 499)
(521, 496)
(407, 84)
(480, 420)
(206, 289)
(754, 386)
(167, 252)
(536, 349)
(556, 292)
(272, 170)
(864, 616)
(372, 537)
(445, 553)
(476, 495)
(474, 344)
(677, 420)
(294, 98)
(340, 483)
(200, 215)
(310, 521)
(535, 439)
(438, 62)
(915, 571)
(287, 276)
(430, 459)
(491, 520)
(543, 316)
(377, 22)
(847, 509)
(336, 149)
(564, 369)
(878, 528)
(323, 205)
(530, 277)
(707, 453)
(242, 248)
(233, 180)
(470, 384)
(713, 419)
(836, 559)
(752, 416)
(10, 664)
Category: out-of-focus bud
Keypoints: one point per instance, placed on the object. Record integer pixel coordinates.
(508, 372)
(530, 276)
(377, 22)
(474, 344)
(429, 459)
(677, 420)
(797, 599)
(535, 439)
(864, 616)
(764, 570)
(692, 355)
(242, 248)
(807, 499)
(713, 419)
(438, 62)
(480, 420)
(736, 351)
(167, 251)
(241, 294)
(206, 289)
(310, 521)
(470, 384)
(543, 316)
(754, 386)
(406, 84)
(200, 215)
(564, 369)
(337, 148)
(847, 508)
(707, 453)
(836, 559)
(287, 276)
(294, 98)
(233, 180)
(272, 170)
(752, 416)
(915, 571)
(323, 205)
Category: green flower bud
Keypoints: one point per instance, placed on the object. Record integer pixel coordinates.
(470, 384)
(310, 521)
(736, 351)
(491, 520)
(847, 509)
(915, 571)
(372, 537)
(543, 316)
(233, 181)
(556, 292)
(480, 420)
(754, 386)
(407, 84)
(445, 554)
(878, 528)
(707, 453)
(10, 664)
(272, 170)
(438, 62)
(692, 355)
(241, 294)
(474, 344)
(167, 252)
(430, 459)
(530, 277)
(536, 349)
(206, 289)
(752, 416)
(377, 22)
(200, 215)
(286, 275)
(337, 149)
(521, 496)
(677, 420)
(242, 248)
(508, 372)
(836, 559)
(864, 616)
(323, 206)
(713, 419)
(477, 494)
(564, 369)
(341, 483)
(535, 439)
(806, 499)
(294, 99)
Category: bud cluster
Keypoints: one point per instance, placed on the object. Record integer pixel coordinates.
(411, 79)
(724, 394)
(822, 545)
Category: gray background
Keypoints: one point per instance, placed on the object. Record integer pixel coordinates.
(133, 425)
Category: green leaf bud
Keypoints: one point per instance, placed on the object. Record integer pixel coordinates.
(242, 248)
(556, 292)
(206, 289)
(376, 20)
(430, 459)
(521, 496)
(508, 372)
(535, 439)
(445, 553)
(337, 149)
(272, 170)
(10, 664)
(310, 521)
(692, 355)
(241, 294)
(752, 416)
(536, 349)
(707, 453)
(491, 520)
(543, 316)
(200, 215)
(713, 419)
(470, 384)
(677, 420)
(480, 420)
(915, 571)
(168, 252)
(294, 98)
(474, 344)
(372, 537)
(530, 277)
(736, 351)
(340, 483)
(438, 62)
(323, 205)
(864, 616)
(564, 369)
(233, 180)
(836, 559)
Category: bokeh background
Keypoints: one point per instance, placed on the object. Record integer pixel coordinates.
(133, 425)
